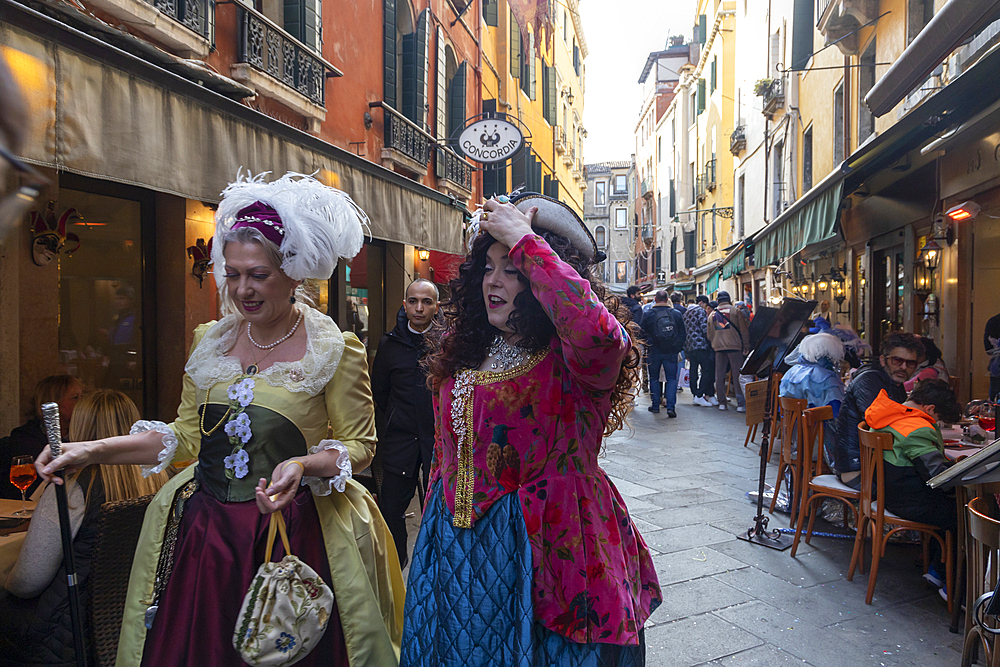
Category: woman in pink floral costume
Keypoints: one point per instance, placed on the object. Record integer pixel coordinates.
(526, 554)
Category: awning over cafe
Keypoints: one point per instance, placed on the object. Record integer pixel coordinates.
(952, 25)
(736, 261)
(811, 219)
(712, 283)
(136, 123)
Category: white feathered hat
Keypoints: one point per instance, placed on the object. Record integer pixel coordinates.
(312, 224)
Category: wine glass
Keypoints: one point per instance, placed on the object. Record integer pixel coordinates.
(987, 417)
(23, 475)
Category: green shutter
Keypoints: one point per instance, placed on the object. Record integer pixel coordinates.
(389, 52)
(802, 33)
(702, 28)
(701, 95)
(490, 13)
(549, 93)
(415, 72)
(456, 101)
(303, 21)
(515, 50)
(715, 63)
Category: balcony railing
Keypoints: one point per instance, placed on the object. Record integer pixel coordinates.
(700, 187)
(190, 13)
(821, 6)
(774, 97)
(454, 168)
(268, 48)
(738, 140)
(561, 143)
(710, 175)
(646, 188)
(403, 135)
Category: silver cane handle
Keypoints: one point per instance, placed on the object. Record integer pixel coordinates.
(53, 433)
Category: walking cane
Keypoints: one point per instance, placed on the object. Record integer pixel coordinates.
(50, 415)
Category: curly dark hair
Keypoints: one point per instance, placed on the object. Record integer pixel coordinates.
(463, 339)
(907, 341)
(936, 392)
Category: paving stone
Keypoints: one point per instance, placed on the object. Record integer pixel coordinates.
(694, 598)
(693, 641)
(685, 498)
(638, 505)
(806, 569)
(765, 655)
(704, 513)
(686, 537)
(692, 564)
(627, 488)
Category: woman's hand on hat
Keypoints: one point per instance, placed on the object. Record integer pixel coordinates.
(505, 222)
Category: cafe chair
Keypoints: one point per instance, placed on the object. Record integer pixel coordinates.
(983, 538)
(119, 524)
(818, 483)
(875, 517)
(790, 459)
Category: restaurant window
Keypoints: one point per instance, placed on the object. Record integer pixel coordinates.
(838, 125)
(807, 160)
(601, 193)
(866, 80)
(101, 296)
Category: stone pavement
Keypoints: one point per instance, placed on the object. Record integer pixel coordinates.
(728, 602)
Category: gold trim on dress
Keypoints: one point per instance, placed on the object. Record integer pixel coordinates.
(463, 394)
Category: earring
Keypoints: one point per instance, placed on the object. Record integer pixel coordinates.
(291, 299)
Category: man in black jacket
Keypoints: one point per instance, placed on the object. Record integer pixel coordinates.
(404, 412)
(664, 329)
(899, 358)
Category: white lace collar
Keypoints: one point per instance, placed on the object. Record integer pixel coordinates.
(209, 364)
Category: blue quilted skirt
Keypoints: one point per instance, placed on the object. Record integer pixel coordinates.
(468, 598)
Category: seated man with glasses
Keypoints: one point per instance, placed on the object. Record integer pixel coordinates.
(900, 353)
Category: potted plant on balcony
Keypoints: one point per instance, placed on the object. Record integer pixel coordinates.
(761, 86)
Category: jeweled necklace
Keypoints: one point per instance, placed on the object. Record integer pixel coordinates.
(506, 356)
(280, 340)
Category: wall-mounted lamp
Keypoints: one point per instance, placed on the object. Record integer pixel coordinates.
(423, 254)
(931, 254)
(568, 94)
(964, 211)
(822, 284)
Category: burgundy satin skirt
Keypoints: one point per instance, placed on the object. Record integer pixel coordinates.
(219, 548)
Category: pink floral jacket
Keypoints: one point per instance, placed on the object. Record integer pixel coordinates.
(536, 431)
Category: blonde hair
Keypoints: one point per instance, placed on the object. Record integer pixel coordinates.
(106, 413)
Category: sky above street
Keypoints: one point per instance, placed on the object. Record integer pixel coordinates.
(620, 34)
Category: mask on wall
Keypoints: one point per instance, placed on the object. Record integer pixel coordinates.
(49, 235)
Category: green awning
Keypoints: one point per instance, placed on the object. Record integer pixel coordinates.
(712, 284)
(811, 219)
(736, 261)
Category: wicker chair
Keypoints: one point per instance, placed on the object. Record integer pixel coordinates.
(118, 529)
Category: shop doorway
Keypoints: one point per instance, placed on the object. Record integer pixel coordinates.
(106, 310)
(888, 290)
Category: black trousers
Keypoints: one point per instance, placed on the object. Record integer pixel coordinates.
(394, 497)
(702, 372)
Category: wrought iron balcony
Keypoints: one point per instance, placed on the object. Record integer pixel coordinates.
(561, 144)
(774, 97)
(190, 13)
(700, 187)
(710, 175)
(269, 49)
(646, 188)
(453, 168)
(738, 140)
(403, 135)
(647, 233)
(821, 7)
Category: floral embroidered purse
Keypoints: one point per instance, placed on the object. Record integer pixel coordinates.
(286, 610)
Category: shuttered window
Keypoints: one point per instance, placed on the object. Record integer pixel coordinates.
(530, 57)
(456, 101)
(441, 79)
(702, 28)
(389, 52)
(712, 79)
(701, 95)
(415, 72)
(303, 21)
(549, 95)
(490, 12)
(515, 50)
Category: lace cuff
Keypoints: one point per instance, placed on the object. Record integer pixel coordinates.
(323, 486)
(166, 455)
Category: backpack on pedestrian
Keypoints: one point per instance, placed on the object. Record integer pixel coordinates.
(667, 334)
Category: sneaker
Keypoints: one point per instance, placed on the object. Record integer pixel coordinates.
(741, 408)
(713, 400)
(700, 400)
(654, 408)
(723, 407)
(932, 577)
(680, 390)
(671, 414)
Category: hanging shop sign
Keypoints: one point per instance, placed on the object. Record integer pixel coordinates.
(490, 140)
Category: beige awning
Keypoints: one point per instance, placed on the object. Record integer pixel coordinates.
(135, 123)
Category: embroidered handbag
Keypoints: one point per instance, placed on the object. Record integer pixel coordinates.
(286, 610)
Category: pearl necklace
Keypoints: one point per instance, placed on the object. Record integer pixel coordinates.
(280, 340)
(506, 356)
